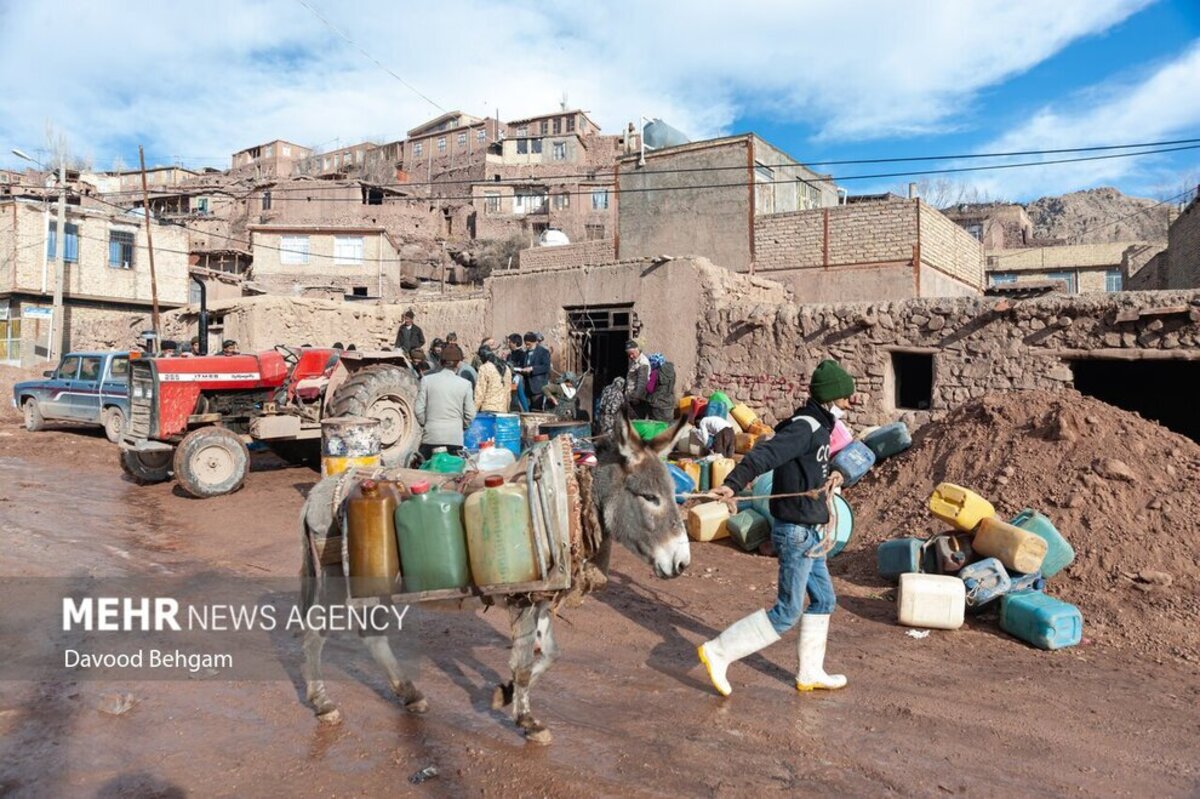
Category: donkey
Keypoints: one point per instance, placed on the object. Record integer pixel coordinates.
(631, 501)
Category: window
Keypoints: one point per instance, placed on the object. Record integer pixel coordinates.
(593, 232)
(1003, 279)
(570, 124)
(522, 146)
(285, 149)
(491, 202)
(360, 291)
(345, 158)
(68, 369)
(559, 152)
(358, 156)
(1067, 278)
(912, 380)
(1113, 281)
(120, 249)
(522, 132)
(293, 249)
(89, 368)
(347, 249)
(202, 205)
(764, 193)
(462, 139)
(266, 201)
(557, 125)
(417, 148)
(528, 202)
(71, 250)
(545, 126)
(976, 230)
(535, 146)
(270, 151)
(441, 144)
(119, 368)
(481, 134)
(562, 201)
(600, 199)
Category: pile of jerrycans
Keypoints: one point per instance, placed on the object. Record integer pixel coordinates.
(984, 562)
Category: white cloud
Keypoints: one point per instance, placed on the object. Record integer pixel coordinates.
(1157, 105)
(205, 79)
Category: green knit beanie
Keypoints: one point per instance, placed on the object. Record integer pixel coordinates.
(830, 382)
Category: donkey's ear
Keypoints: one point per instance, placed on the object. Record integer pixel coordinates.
(625, 438)
(664, 443)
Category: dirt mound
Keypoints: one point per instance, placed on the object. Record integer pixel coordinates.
(1122, 489)
(10, 375)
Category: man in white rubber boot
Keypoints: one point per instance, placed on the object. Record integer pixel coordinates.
(799, 455)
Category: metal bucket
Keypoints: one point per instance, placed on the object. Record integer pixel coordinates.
(349, 442)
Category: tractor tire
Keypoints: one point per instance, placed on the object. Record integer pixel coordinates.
(34, 421)
(389, 394)
(146, 468)
(210, 462)
(305, 452)
(114, 424)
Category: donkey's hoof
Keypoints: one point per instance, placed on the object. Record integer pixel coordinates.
(331, 717)
(538, 735)
(502, 697)
(418, 706)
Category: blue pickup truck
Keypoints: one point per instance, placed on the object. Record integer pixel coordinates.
(88, 387)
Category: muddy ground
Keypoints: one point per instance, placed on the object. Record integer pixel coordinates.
(971, 712)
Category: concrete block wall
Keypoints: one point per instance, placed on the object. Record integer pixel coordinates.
(566, 256)
(948, 248)
(863, 233)
(764, 354)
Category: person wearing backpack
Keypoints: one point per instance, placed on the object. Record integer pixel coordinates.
(660, 388)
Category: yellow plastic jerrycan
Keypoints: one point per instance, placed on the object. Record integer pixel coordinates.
(1019, 550)
(721, 467)
(959, 506)
(692, 468)
(744, 416)
(500, 533)
(707, 522)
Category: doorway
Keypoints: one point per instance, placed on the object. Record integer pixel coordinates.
(597, 336)
(1155, 389)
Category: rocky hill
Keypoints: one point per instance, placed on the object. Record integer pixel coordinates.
(1098, 215)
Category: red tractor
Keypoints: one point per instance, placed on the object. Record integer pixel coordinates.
(192, 417)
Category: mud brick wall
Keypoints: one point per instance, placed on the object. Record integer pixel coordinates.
(763, 354)
(1183, 249)
(584, 253)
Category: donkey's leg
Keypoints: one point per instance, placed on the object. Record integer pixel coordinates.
(534, 649)
(414, 701)
(314, 685)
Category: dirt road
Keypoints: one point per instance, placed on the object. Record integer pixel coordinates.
(971, 712)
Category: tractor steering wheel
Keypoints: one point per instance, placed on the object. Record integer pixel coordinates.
(290, 356)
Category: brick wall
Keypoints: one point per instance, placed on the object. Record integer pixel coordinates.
(948, 248)
(863, 233)
(566, 256)
(1152, 275)
(1183, 249)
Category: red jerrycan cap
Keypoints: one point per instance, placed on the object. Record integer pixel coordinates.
(419, 487)
(493, 481)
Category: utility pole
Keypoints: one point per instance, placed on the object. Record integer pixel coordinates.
(60, 263)
(150, 249)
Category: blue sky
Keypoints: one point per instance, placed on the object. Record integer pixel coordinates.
(823, 79)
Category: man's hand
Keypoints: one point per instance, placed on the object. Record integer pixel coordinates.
(835, 479)
(724, 494)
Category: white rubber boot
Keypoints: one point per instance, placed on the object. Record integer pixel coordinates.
(814, 630)
(743, 637)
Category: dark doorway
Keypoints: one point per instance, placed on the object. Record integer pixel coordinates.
(912, 377)
(597, 346)
(1158, 390)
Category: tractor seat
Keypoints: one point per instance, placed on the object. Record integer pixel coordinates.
(311, 389)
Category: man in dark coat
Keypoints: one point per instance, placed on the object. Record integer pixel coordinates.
(409, 336)
(536, 369)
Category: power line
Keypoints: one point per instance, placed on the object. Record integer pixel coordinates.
(369, 57)
(1011, 154)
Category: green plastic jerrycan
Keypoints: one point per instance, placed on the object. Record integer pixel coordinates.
(433, 546)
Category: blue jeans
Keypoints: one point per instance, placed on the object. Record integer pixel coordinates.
(799, 574)
(522, 400)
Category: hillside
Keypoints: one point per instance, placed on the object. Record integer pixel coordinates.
(1090, 217)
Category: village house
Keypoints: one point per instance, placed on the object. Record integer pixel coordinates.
(275, 159)
(107, 274)
(443, 156)
(997, 226)
(355, 261)
(1077, 268)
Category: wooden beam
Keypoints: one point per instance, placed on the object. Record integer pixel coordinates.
(1125, 355)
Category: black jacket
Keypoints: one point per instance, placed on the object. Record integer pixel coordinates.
(662, 400)
(539, 360)
(409, 338)
(799, 454)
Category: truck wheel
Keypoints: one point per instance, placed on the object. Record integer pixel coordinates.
(114, 424)
(211, 461)
(146, 468)
(34, 421)
(389, 394)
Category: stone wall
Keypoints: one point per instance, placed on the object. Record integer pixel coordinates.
(584, 253)
(1183, 249)
(763, 354)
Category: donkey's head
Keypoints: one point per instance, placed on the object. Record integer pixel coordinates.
(635, 496)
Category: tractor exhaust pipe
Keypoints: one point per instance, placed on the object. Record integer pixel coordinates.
(203, 332)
